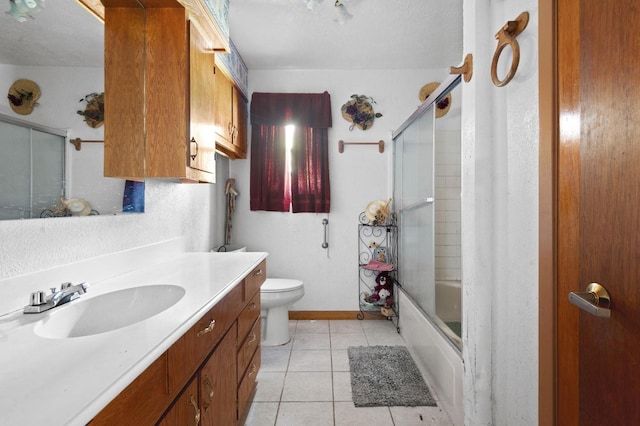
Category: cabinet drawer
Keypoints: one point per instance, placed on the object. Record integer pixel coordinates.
(248, 317)
(248, 348)
(254, 280)
(218, 384)
(191, 349)
(247, 385)
(142, 401)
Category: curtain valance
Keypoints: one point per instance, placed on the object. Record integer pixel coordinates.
(302, 109)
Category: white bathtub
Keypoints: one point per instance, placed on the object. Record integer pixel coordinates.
(448, 301)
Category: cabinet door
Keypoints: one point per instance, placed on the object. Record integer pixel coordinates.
(240, 123)
(218, 383)
(202, 116)
(223, 101)
(186, 410)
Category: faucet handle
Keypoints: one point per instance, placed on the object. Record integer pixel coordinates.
(38, 298)
(65, 285)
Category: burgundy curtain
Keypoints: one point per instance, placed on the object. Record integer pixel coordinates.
(309, 188)
(269, 184)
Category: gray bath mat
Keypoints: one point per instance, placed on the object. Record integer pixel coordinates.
(386, 376)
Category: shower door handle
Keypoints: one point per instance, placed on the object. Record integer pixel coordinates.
(594, 300)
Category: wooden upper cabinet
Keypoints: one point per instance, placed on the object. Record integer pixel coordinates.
(231, 117)
(202, 89)
(223, 101)
(240, 118)
(158, 76)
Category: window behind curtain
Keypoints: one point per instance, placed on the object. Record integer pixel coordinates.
(307, 187)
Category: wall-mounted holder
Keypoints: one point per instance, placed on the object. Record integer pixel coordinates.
(77, 142)
(466, 69)
(341, 145)
(506, 36)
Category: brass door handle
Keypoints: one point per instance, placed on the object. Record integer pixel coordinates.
(594, 300)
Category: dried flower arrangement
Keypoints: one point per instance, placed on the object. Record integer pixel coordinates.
(359, 111)
(94, 111)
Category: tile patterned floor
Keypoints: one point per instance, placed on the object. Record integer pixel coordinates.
(307, 381)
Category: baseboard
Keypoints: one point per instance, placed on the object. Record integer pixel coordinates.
(332, 315)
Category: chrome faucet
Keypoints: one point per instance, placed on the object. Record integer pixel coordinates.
(40, 301)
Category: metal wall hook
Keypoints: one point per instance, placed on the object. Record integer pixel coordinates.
(506, 36)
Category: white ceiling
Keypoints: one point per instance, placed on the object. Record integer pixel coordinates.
(383, 34)
(269, 34)
(62, 34)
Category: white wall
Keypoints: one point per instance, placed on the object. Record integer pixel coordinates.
(358, 176)
(500, 222)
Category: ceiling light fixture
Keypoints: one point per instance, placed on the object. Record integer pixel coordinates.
(342, 14)
(23, 9)
(311, 4)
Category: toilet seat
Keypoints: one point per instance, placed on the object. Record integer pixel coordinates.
(280, 285)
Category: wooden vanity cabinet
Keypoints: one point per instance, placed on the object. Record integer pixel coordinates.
(185, 410)
(159, 84)
(209, 373)
(230, 117)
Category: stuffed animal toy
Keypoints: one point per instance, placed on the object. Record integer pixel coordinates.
(384, 289)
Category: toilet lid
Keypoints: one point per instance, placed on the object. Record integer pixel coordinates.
(273, 285)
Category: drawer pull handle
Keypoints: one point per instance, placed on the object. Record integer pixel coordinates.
(209, 328)
(254, 368)
(258, 272)
(196, 417)
(252, 338)
(210, 394)
(251, 307)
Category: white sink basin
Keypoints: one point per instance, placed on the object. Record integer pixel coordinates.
(107, 312)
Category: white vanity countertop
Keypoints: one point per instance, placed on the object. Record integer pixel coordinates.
(68, 381)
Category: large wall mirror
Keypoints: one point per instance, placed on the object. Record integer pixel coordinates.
(60, 48)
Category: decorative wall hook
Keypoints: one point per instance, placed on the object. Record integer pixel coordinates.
(506, 36)
(466, 69)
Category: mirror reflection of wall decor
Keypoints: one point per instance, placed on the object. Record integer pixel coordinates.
(93, 113)
(442, 107)
(63, 51)
(359, 112)
(23, 96)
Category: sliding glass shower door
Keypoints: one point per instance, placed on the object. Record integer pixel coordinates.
(427, 187)
(413, 195)
(32, 170)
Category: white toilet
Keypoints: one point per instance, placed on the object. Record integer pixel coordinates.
(276, 294)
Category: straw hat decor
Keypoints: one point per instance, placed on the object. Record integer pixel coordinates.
(442, 107)
(23, 96)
